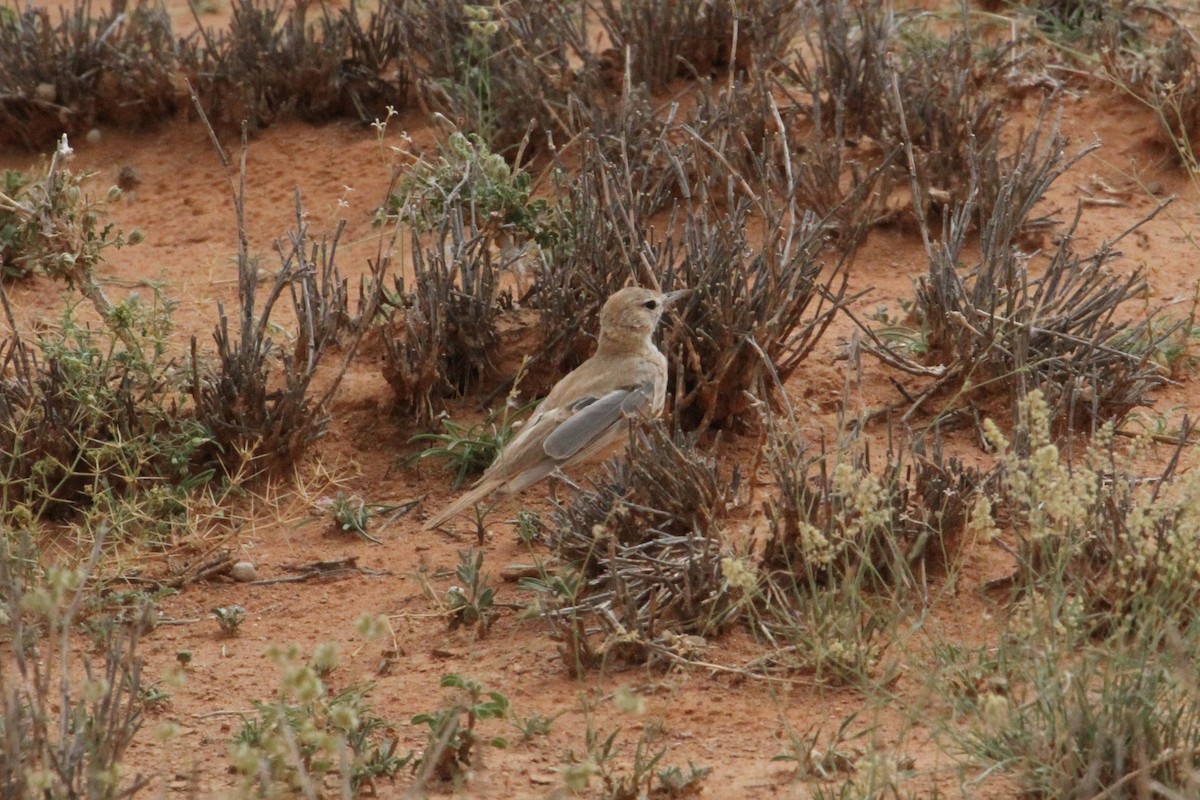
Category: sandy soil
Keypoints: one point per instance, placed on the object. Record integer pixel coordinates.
(712, 718)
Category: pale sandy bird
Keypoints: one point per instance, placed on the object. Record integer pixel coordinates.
(584, 416)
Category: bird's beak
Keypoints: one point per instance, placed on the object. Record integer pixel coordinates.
(670, 298)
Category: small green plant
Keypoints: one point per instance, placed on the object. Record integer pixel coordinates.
(534, 725)
(468, 451)
(467, 172)
(453, 739)
(308, 733)
(822, 760)
(473, 602)
(643, 777)
(229, 619)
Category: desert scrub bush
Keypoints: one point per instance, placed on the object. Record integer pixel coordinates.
(645, 551)
(274, 61)
(66, 718)
(261, 417)
(848, 543)
(91, 417)
(667, 40)
(308, 736)
(1008, 325)
(51, 225)
(471, 217)
(754, 309)
(114, 66)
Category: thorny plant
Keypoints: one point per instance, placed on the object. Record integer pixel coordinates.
(644, 551)
(87, 418)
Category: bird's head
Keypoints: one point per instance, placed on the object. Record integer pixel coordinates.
(632, 314)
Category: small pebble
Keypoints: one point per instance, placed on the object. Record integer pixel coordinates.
(243, 572)
(93, 136)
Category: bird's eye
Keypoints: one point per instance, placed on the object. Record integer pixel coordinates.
(650, 304)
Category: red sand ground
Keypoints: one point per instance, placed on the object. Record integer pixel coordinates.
(723, 721)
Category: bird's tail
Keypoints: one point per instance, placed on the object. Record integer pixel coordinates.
(467, 500)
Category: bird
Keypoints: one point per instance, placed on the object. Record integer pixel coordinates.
(583, 418)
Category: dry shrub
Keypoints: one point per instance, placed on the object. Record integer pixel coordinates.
(115, 67)
(503, 72)
(275, 62)
(835, 518)
(879, 81)
(471, 217)
(1170, 85)
(261, 416)
(753, 310)
(666, 39)
(998, 327)
(646, 552)
(602, 223)
(128, 68)
(442, 338)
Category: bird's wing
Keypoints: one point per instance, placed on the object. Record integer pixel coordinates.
(594, 416)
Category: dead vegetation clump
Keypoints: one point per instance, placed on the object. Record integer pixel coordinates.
(261, 416)
(117, 66)
(1005, 326)
(835, 518)
(658, 42)
(471, 217)
(645, 551)
(442, 337)
(275, 62)
(256, 423)
(127, 67)
(753, 311)
(503, 72)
